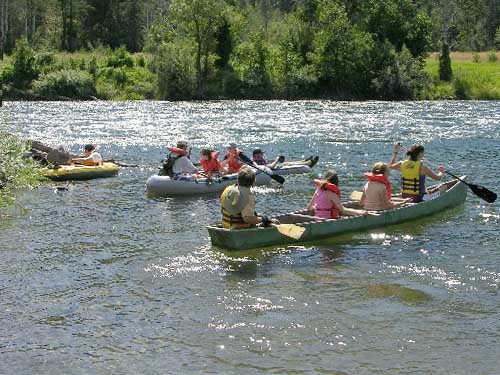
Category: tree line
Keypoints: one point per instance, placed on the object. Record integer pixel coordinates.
(203, 49)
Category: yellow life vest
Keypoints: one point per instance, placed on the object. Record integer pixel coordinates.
(411, 180)
(232, 202)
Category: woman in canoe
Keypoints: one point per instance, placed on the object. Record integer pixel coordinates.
(210, 163)
(413, 172)
(326, 201)
(377, 192)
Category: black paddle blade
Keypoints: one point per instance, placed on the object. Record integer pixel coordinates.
(278, 178)
(483, 193)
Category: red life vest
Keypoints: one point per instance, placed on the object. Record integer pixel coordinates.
(177, 150)
(234, 164)
(330, 206)
(380, 178)
(211, 165)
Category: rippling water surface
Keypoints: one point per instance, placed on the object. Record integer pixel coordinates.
(103, 279)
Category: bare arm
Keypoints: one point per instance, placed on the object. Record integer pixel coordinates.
(310, 206)
(428, 172)
(344, 211)
(392, 163)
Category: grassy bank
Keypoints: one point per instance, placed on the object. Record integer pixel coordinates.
(101, 73)
(118, 75)
(475, 76)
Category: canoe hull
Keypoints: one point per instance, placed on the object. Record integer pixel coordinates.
(165, 186)
(318, 229)
(79, 173)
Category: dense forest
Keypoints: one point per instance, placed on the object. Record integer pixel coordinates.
(209, 49)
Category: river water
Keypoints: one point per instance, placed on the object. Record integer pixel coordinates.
(101, 279)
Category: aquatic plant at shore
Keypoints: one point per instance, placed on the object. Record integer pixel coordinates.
(17, 169)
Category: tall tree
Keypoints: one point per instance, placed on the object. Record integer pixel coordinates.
(4, 25)
(199, 21)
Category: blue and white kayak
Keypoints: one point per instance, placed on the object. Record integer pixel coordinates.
(166, 186)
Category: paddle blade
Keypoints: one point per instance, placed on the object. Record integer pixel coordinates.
(291, 230)
(278, 178)
(483, 193)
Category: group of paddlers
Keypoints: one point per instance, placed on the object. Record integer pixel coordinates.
(178, 164)
(238, 201)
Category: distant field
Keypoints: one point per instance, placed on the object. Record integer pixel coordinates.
(478, 78)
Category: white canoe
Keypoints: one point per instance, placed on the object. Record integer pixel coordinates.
(164, 185)
(291, 169)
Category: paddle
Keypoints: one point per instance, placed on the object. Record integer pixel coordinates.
(482, 192)
(246, 160)
(290, 230)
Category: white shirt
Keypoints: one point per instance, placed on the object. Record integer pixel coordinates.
(95, 156)
(183, 165)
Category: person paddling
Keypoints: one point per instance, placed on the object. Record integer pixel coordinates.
(91, 157)
(413, 172)
(232, 159)
(238, 204)
(177, 164)
(326, 201)
(377, 192)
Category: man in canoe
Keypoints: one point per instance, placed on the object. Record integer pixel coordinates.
(238, 203)
(326, 202)
(413, 172)
(91, 157)
(259, 159)
(177, 164)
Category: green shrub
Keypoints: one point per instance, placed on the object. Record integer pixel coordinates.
(24, 68)
(140, 61)
(16, 170)
(69, 83)
(476, 57)
(497, 38)
(462, 88)
(120, 58)
(45, 59)
(492, 57)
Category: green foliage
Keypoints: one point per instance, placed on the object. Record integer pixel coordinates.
(399, 22)
(497, 38)
(476, 57)
(403, 78)
(176, 72)
(341, 53)
(492, 57)
(445, 71)
(249, 62)
(24, 68)
(17, 171)
(68, 83)
(119, 58)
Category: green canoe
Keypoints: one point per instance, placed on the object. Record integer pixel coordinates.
(453, 195)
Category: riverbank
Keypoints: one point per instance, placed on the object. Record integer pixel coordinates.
(118, 75)
(476, 76)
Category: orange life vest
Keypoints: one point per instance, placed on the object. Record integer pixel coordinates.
(234, 164)
(212, 165)
(380, 178)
